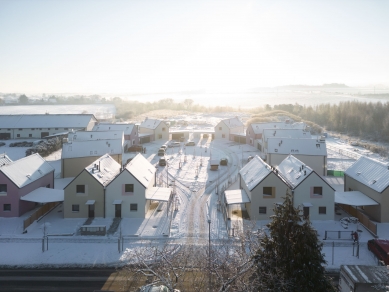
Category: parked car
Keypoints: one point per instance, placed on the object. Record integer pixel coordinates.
(135, 148)
(182, 139)
(380, 248)
(190, 143)
(162, 162)
(174, 144)
(223, 161)
(161, 152)
(250, 158)
(205, 135)
(164, 147)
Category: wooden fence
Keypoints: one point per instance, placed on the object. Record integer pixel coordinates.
(363, 219)
(39, 213)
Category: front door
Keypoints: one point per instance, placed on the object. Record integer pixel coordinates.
(91, 211)
(306, 212)
(118, 211)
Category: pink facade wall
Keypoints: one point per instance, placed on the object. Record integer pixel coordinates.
(252, 135)
(19, 207)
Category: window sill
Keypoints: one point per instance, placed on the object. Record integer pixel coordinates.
(128, 194)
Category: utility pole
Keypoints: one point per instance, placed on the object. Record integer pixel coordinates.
(209, 254)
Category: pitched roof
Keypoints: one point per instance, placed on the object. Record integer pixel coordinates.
(104, 169)
(259, 127)
(95, 135)
(371, 173)
(126, 128)
(150, 123)
(293, 170)
(91, 148)
(4, 159)
(254, 172)
(141, 169)
(27, 170)
(45, 121)
(233, 122)
(286, 133)
(296, 146)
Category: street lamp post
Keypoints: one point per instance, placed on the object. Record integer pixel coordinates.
(209, 253)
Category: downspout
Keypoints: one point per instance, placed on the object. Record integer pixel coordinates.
(104, 203)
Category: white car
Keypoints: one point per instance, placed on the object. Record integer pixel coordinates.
(174, 144)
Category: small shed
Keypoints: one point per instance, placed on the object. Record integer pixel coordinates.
(214, 164)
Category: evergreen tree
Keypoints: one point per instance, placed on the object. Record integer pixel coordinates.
(292, 252)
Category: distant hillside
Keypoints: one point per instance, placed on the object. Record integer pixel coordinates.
(301, 86)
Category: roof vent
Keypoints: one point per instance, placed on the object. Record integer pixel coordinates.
(373, 182)
(358, 173)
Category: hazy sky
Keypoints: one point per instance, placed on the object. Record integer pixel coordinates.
(152, 46)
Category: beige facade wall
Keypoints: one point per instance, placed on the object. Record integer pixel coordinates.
(162, 132)
(115, 191)
(36, 133)
(317, 162)
(258, 199)
(378, 213)
(93, 191)
(223, 131)
(71, 167)
(302, 194)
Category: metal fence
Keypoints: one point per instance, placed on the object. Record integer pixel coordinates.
(344, 152)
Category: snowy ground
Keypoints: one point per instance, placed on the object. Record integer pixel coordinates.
(188, 173)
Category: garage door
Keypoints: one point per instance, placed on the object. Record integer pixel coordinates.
(144, 140)
(5, 136)
(177, 136)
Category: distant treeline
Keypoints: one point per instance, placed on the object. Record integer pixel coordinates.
(367, 120)
(128, 109)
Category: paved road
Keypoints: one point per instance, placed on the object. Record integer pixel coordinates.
(80, 280)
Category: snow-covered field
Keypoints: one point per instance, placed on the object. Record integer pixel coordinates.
(188, 173)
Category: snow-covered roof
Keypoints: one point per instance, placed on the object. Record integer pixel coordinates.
(259, 127)
(367, 274)
(4, 159)
(126, 128)
(150, 123)
(141, 169)
(27, 170)
(254, 172)
(104, 169)
(285, 133)
(95, 135)
(233, 123)
(46, 121)
(370, 172)
(293, 170)
(92, 148)
(236, 197)
(354, 198)
(44, 195)
(158, 194)
(296, 146)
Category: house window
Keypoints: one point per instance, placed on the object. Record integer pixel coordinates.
(262, 210)
(30, 135)
(323, 210)
(20, 129)
(56, 128)
(7, 207)
(48, 186)
(159, 136)
(8, 129)
(80, 189)
(3, 188)
(66, 128)
(318, 191)
(163, 129)
(223, 135)
(75, 208)
(129, 188)
(18, 135)
(133, 207)
(32, 129)
(47, 129)
(220, 128)
(269, 192)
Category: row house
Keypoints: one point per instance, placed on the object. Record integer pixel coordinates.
(18, 179)
(105, 189)
(40, 126)
(130, 131)
(153, 129)
(231, 129)
(266, 186)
